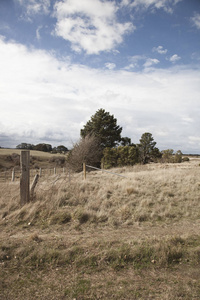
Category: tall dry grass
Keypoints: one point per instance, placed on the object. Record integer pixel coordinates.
(151, 193)
(106, 237)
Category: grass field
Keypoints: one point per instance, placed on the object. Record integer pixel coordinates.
(108, 237)
(9, 158)
(5, 151)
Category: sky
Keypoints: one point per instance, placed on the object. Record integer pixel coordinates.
(62, 60)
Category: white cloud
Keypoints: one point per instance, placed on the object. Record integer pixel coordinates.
(137, 58)
(130, 67)
(38, 33)
(150, 62)
(194, 141)
(90, 25)
(110, 66)
(44, 99)
(146, 62)
(159, 50)
(195, 55)
(174, 58)
(135, 61)
(32, 7)
(196, 20)
(166, 5)
(186, 119)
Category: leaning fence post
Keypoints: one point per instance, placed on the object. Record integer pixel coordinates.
(25, 177)
(35, 181)
(13, 175)
(84, 171)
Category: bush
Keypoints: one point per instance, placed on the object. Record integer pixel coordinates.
(87, 150)
(121, 156)
(185, 158)
(15, 158)
(59, 161)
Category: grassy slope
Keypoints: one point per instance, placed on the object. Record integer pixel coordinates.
(104, 238)
(4, 151)
(40, 159)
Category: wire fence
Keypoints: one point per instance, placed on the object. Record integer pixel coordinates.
(14, 174)
(48, 180)
(46, 183)
(113, 173)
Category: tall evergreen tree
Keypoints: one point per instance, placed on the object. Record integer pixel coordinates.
(147, 149)
(104, 127)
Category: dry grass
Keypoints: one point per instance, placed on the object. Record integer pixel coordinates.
(104, 238)
(4, 151)
(10, 158)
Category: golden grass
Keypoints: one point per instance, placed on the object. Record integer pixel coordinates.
(107, 237)
(5, 151)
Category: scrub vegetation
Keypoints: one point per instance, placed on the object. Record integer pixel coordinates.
(106, 237)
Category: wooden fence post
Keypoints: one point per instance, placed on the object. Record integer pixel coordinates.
(13, 175)
(25, 177)
(35, 181)
(84, 171)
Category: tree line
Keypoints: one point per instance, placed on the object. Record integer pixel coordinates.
(43, 147)
(101, 142)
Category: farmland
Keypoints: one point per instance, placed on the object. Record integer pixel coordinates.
(106, 237)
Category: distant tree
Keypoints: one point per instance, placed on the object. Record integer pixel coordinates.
(103, 126)
(61, 149)
(167, 155)
(43, 147)
(178, 156)
(25, 146)
(147, 149)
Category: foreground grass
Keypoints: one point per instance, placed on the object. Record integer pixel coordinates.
(104, 238)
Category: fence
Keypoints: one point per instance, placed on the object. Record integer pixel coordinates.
(15, 173)
(25, 176)
(84, 171)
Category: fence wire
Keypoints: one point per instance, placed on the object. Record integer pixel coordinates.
(106, 171)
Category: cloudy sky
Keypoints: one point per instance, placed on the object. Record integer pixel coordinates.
(62, 60)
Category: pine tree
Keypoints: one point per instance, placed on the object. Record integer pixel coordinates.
(104, 127)
(147, 149)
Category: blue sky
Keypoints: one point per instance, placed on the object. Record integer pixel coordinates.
(63, 60)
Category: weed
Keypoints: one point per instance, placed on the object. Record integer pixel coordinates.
(83, 217)
(131, 191)
(60, 217)
(35, 237)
